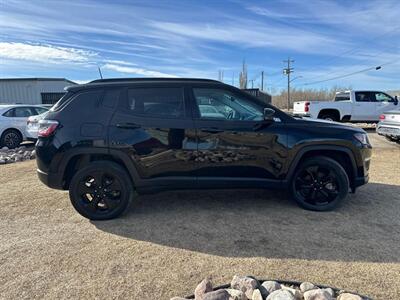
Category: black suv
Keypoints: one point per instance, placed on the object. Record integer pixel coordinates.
(109, 138)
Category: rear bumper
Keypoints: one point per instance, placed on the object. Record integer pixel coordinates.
(388, 129)
(52, 180)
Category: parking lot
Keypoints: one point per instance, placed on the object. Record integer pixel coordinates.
(168, 242)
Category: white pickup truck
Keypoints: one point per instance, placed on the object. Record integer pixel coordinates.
(349, 106)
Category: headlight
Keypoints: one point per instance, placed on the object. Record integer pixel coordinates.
(362, 138)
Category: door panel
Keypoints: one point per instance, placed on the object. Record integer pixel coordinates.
(364, 107)
(383, 104)
(229, 142)
(154, 130)
(232, 149)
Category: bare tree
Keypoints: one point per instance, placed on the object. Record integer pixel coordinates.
(243, 76)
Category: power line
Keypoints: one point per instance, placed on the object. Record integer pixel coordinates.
(353, 73)
(353, 50)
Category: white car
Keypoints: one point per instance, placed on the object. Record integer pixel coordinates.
(389, 125)
(13, 118)
(32, 126)
(349, 106)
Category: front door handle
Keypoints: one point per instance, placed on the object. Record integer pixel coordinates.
(211, 130)
(128, 125)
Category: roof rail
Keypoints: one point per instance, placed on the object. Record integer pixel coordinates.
(151, 79)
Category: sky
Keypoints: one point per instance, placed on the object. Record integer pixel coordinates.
(326, 39)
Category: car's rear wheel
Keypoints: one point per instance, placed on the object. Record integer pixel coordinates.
(320, 184)
(101, 191)
(11, 139)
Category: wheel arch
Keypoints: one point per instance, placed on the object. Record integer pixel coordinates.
(331, 111)
(342, 155)
(78, 158)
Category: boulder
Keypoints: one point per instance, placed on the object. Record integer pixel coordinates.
(349, 296)
(245, 284)
(317, 294)
(271, 286)
(236, 294)
(295, 292)
(306, 286)
(217, 295)
(281, 295)
(256, 295)
(203, 287)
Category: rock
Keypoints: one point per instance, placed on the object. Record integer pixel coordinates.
(5, 148)
(317, 294)
(281, 295)
(236, 294)
(217, 295)
(178, 298)
(307, 286)
(2, 161)
(330, 291)
(256, 295)
(349, 296)
(271, 286)
(203, 287)
(295, 292)
(245, 284)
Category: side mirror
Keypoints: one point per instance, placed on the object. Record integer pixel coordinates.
(269, 114)
(396, 100)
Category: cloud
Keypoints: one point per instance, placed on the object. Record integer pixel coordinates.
(44, 53)
(135, 71)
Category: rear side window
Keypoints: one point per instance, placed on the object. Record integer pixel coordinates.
(111, 98)
(9, 113)
(157, 102)
(85, 99)
(342, 97)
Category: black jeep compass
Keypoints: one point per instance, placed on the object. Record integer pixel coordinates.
(105, 140)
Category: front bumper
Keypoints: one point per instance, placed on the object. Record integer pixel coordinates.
(359, 181)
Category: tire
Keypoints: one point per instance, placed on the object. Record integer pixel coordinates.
(102, 190)
(319, 184)
(11, 138)
(329, 117)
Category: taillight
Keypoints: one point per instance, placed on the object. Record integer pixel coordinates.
(47, 127)
(382, 117)
(307, 106)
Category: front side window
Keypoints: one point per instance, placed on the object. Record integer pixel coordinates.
(225, 105)
(365, 97)
(157, 102)
(382, 97)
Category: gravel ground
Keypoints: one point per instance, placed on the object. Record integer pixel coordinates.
(168, 242)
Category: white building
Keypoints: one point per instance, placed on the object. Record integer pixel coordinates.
(32, 90)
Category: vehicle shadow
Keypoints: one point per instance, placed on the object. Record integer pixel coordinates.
(265, 223)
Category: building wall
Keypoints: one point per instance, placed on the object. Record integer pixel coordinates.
(29, 91)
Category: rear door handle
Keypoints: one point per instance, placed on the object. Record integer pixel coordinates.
(211, 130)
(128, 125)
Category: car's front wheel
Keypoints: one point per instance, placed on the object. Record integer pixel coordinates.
(320, 184)
(101, 191)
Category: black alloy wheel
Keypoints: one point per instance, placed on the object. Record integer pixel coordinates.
(11, 139)
(320, 184)
(101, 191)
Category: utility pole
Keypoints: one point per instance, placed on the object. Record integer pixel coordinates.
(287, 72)
(252, 82)
(262, 80)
